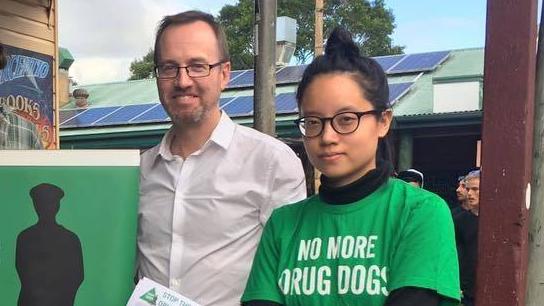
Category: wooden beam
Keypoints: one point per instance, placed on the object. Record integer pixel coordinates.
(509, 82)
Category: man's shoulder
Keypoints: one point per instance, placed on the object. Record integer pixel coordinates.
(259, 140)
(147, 156)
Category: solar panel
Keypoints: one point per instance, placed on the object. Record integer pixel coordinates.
(234, 74)
(241, 106)
(224, 101)
(68, 114)
(290, 74)
(124, 114)
(88, 117)
(286, 103)
(243, 80)
(396, 91)
(154, 114)
(419, 62)
(388, 61)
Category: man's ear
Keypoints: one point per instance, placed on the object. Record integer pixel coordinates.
(225, 74)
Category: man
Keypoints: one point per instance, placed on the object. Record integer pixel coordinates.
(412, 177)
(461, 193)
(466, 230)
(208, 188)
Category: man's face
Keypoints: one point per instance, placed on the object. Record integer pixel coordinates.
(461, 191)
(473, 193)
(191, 101)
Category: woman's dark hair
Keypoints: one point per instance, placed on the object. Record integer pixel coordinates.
(342, 56)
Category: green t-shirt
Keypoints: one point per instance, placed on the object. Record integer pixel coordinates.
(313, 253)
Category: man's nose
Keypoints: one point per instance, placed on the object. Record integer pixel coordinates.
(183, 79)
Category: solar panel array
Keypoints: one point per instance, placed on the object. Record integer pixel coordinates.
(243, 105)
(238, 106)
(392, 64)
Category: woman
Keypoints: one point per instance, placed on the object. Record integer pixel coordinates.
(366, 239)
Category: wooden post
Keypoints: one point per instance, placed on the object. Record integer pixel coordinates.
(535, 271)
(509, 88)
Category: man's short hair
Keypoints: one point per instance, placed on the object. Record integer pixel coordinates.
(475, 174)
(187, 18)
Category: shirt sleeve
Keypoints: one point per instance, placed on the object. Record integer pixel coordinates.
(287, 182)
(425, 255)
(262, 284)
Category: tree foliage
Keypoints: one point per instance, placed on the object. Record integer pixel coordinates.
(142, 68)
(370, 22)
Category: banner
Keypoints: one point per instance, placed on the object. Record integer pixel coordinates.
(26, 88)
(68, 227)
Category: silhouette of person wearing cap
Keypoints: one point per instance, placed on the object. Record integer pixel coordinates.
(48, 258)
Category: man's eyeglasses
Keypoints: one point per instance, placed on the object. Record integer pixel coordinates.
(171, 71)
(342, 123)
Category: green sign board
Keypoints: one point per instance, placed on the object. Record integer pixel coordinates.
(68, 227)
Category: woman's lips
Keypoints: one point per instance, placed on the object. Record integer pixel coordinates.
(330, 157)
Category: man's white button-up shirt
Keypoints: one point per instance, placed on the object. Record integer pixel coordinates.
(201, 218)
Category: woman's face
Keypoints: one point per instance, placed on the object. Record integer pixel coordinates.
(342, 157)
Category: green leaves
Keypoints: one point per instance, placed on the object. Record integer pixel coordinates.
(370, 22)
(142, 68)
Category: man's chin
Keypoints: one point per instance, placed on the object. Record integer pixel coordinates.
(192, 118)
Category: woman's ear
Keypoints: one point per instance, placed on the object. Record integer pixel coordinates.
(384, 122)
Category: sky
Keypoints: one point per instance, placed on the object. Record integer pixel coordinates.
(105, 36)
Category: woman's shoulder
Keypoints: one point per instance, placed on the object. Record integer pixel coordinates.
(414, 197)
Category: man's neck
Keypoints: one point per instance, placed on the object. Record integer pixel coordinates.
(188, 139)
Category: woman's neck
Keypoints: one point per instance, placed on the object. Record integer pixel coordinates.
(357, 190)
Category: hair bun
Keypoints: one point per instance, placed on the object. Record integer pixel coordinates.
(340, 44)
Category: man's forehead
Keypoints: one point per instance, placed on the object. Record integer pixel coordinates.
(193, 41)
(472, 182)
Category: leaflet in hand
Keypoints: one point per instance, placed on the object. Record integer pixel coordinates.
(148, 292)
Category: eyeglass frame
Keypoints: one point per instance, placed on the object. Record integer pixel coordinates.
(178, 68)
(324, 120)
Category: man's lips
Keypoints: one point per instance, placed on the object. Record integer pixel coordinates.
(185, 99)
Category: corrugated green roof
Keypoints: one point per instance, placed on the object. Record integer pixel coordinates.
(464, 63)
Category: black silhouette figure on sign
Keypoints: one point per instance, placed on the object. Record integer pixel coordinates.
(48, 258)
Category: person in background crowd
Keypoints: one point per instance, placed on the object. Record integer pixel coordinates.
(466, 229)
(461, 193)
(208, 188)
(412, 176)
(366, 238)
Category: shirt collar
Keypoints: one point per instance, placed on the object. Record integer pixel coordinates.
(222, 136)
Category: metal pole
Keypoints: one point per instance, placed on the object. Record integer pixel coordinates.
(265, 67)
(509, 89)
(535, 272)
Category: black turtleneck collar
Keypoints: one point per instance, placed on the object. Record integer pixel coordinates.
(357, 190)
